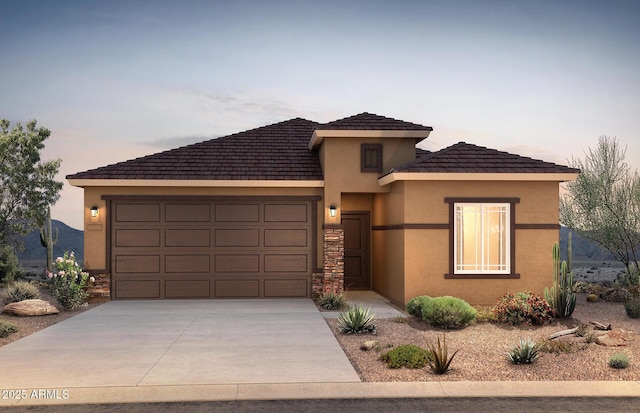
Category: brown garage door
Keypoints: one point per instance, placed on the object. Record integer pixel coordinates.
(212, 247)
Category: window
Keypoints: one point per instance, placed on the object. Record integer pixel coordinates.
(371, 157)
(482, 238)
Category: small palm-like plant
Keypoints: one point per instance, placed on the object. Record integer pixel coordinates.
(440, 360)
(357, 320)
(525, 352)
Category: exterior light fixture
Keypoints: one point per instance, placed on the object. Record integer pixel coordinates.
(332, 210)
(94, 211)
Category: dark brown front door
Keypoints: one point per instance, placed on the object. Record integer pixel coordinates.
(356, 250)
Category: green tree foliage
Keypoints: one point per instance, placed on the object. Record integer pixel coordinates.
(27, 184)
(603, 203)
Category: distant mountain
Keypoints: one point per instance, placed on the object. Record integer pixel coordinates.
(69, 239)
(583, 249)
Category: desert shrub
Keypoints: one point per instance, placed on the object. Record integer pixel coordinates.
(69, 282)
(357, 320)
(332, 301)
(619, 361)
(523, 352)
(523, 307)
(407, 355)
(19, 291)
(440, 361)
(632, 307)
(592, 298)
(414, 306)
(9, 266)
(485, 314)
(447, 312)
(7, 328)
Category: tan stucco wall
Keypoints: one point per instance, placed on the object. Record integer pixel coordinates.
(426, 251)
(95, 235)
(340, 159)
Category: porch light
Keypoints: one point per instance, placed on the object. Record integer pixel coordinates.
(332, 210)
(94, 211)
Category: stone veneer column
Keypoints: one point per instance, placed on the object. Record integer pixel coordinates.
(333, 248)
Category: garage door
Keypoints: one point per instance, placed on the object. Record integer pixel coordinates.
(212, 247)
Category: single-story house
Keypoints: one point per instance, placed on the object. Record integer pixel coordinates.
(298, 208)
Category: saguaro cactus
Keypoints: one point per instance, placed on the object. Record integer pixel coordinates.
(48, 240)
(561, 296)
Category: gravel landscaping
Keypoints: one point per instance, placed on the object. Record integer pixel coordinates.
(483, 347)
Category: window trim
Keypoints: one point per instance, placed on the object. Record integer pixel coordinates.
(363, 150)
(512, 239)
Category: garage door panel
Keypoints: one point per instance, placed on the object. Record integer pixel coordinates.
(285, 288)
(174, 264)
(187, 289)
(237, 263)
(286, 237)
(285, 263)
(237, 213)
(137, 212)
(137, 238)
(137, 264)
(237, 288)
(188, 213)
(188, 238)
(286, 213)
(237, 238)
(137, 289)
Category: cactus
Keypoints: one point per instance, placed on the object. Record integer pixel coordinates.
(48, 240)
(561, 296)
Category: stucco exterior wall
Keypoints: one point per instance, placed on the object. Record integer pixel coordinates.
(426, 251)
(95, 234)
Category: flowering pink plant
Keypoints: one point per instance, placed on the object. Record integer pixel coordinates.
(69, 282)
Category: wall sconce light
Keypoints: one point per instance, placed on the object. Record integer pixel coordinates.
(332, 210)
(94, 211)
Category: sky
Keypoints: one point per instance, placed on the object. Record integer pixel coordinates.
(115, 80)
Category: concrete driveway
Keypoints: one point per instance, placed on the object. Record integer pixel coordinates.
(183, 342)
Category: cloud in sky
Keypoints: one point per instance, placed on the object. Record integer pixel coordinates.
(119, 79)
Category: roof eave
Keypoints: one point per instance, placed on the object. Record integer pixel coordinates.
(320, 134)
(476, 176)
(204, 183)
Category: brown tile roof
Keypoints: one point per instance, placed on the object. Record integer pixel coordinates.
(369, 121)
(273, 152)
(464, 157)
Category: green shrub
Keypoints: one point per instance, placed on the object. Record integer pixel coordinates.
(332, 301)
(524, 352)
(619, 361)
(9, 266)
(357, 320)
(407, 355)
(523, 307)
(7, 328)
(447, 312)
(415, 305)
(632, 307)
(440, 361)
(69, 282)
(20, 291)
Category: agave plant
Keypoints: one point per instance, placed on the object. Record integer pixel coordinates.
(357, 320)
(440, 360)
(332, 301)
(526, 351)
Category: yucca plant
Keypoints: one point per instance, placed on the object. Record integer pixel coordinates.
(332, 301)
(525, 352)
(357, 320)
(440, 360)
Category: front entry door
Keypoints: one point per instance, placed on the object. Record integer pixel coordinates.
(356, 250)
